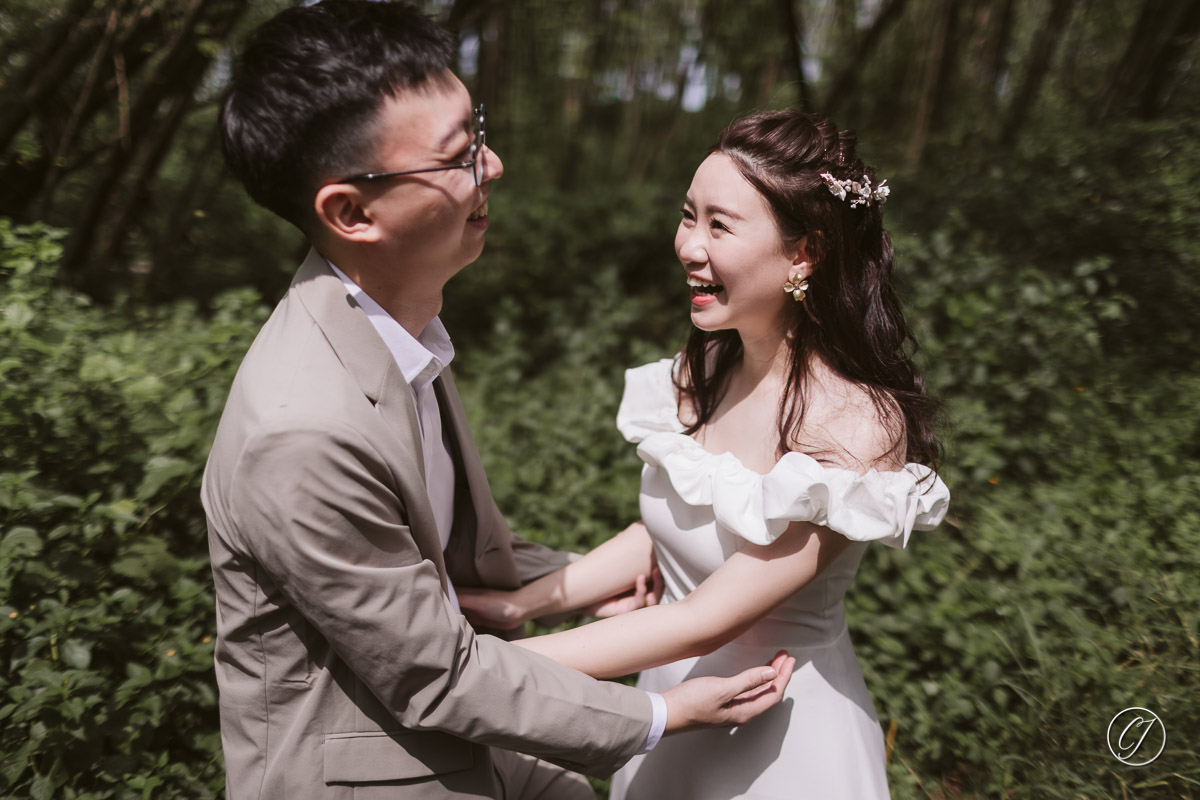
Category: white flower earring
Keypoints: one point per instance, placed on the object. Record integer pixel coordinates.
(797, 284)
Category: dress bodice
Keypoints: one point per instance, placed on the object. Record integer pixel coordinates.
(824, 741)
(701, 507)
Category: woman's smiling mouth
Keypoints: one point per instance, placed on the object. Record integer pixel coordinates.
(703, 292)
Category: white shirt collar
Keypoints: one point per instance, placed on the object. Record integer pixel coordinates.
(420, 359)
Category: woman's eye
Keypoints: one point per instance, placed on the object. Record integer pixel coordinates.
(717, 225)
(687, 214)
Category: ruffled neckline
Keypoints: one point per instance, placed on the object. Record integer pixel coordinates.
(883, 506)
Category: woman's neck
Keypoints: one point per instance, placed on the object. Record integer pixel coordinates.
(763, 356)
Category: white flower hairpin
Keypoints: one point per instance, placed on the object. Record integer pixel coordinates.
(861, 193)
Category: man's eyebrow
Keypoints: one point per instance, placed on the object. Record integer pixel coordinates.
(452, 133)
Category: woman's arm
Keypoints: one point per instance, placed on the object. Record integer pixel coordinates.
(611, 569)
(744, 589)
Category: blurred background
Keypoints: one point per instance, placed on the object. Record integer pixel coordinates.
(1044, 160)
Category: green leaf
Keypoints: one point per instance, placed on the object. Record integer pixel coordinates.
(42, 788)
(160, 470)
(75, 653)
(20, 541)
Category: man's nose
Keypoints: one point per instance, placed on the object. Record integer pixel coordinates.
(493, 167)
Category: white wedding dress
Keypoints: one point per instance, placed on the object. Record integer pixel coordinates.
(823, 741)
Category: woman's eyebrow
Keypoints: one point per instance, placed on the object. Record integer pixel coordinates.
(725, 212)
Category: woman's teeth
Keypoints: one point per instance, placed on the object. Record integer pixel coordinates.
(701, 285)
(479, 213)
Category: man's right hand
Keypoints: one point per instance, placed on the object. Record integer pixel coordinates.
(725, 702)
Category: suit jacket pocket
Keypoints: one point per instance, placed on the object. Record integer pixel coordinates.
(401, 755)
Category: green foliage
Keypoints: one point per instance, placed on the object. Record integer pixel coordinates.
(1057, 593)
(551, 316)
(1050, 301)
(106, 622)
(1003, 643)
(1110, 213)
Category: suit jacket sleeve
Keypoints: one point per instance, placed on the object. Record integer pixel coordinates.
(319, 510)
(535, 560)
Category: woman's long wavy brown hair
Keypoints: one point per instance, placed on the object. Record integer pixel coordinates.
(851, 317)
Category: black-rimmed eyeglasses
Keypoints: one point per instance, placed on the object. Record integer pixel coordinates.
(475, 162)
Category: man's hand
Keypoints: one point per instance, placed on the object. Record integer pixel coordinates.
(725, 702)
(639, 596)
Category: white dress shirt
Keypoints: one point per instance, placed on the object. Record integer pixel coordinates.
(421, 360)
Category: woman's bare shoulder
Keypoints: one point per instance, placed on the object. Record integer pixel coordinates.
(852, 428)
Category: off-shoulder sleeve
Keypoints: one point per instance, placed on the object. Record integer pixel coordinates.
(649, 404)
(883, 506)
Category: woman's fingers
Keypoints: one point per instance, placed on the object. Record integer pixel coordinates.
(656, 587)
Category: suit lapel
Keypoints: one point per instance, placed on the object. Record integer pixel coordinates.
(477, 521)
(369, 363)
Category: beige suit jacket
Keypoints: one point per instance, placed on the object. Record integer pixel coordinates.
(343, 670)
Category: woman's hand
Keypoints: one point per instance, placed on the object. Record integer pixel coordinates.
(639, 596)
(491, 608)
(501, 610)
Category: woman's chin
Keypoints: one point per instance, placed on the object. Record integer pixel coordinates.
(706, 320)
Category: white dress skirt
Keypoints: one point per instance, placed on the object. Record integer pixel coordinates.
(824, 740)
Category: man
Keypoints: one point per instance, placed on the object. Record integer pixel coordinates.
(344, 494)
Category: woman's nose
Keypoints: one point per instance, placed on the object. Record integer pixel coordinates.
(689, 246)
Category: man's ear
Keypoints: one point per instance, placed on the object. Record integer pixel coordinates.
(342, 212)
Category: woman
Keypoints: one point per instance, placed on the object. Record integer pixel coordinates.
(776, 446)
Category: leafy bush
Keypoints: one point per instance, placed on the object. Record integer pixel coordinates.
(106, 603)
(1002, 644)
(997, 648)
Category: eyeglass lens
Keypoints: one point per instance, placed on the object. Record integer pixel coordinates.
(480, 141)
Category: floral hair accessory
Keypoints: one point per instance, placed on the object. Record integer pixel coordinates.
(861, 193)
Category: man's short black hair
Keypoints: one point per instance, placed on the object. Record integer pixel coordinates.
(304, 95)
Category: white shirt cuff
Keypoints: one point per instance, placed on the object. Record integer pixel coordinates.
(658, 721)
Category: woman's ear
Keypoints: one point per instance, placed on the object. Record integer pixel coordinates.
(342, 212)
(804, 255)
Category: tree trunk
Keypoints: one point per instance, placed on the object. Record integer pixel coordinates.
(997, 51)
(579, 102)
(137, 182)
(846, 81)
(938, 64)
(176, 76)
(793, 27)
(1165, 66)
(1142, 77)
(947, 68)
(63, 45)
(1039, 65)
(177, 229)
(27, 184)
(75, 121)
(491, 38)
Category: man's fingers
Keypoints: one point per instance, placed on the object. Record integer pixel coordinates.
(783, 664)
(750, 680)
